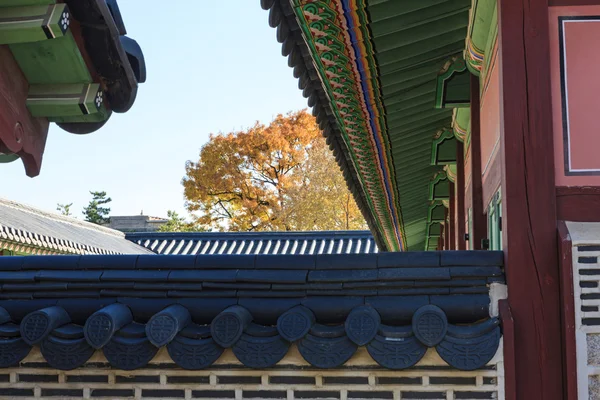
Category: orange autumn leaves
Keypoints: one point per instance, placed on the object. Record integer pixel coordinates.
(276, 177)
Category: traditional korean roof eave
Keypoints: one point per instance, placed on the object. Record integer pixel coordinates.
(370, 73)
(259, 243)
(396, 305)
(24, 229)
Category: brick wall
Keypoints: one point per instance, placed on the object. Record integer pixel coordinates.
(292, 379)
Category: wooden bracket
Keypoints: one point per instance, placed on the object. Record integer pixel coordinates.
(33, 23)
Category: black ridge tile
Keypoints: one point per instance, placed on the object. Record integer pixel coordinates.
(171, 262)
(38, 378)
(423, 395)
(260, 293)
(474, 395)
(468, 290)
(292, 380)
(472, 257)
(463, 308)
(69, 276)
(239, 379)
(17, 276)
(343, 292)
(114, 393)
(266, 310)
(399, 380)
(589, 308)
(225, 261)
(308, 286)
(4, 377)
(164, 393)
(16, 392)
(588, 284)
(333, 309)
(342, 275)
(167, 286)
(193, 379)
(62, 392)
(135, 275)
(452, 380)
(152, 294)
(213, 394)
(589, 272)
(202, 294)
(16, 295)
(100, 285)
(408, 259)
(345, 380)
(272, 261)
(231, 285)
(205, 275)
(316, 394)
(346, 261)
(355, 394)
(66, 294)
(386, 284)
(87, 378)
(397, 310)
(51, 262)
(31, 287)
(137, 379)
(11, 263)
(412, 291)
(587, 260)
(264, 394)
(144, 309)
(588, 248)
(203, 310)
(453, 283)
(108, 262)
(475, 272)
(272, 276)
(414, 273)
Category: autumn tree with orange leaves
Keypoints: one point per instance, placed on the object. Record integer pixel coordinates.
(278, 177)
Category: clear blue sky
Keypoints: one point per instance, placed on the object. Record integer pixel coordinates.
(212, 66)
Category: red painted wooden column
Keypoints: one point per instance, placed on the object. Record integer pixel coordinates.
(452, 215)
(528, 197)
(460, 197)
(479, 219)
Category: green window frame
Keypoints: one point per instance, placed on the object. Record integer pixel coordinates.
(495, 222)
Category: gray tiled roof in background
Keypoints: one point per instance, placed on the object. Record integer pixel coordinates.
(31, 228)
(322, 242)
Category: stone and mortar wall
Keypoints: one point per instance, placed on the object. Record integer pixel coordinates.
(293, 379)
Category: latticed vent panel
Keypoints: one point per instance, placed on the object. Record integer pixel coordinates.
(431, 379)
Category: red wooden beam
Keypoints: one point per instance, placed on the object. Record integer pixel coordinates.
(573, 2)
(508, 338)
(452, 221)
(478, 215)
(20, 133)
(528, 197)
(567, 297)
(460, 197)
(578, 203)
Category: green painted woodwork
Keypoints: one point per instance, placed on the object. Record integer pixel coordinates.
(461, 123)
(491, 40)
(437, 212)
(22, 3)
(439, 188)
(453, 85)
(443, 149)
(450, 170)
(479, 28)
(7, 158)
(102, 115)
(494, 213)
(33, 23)
(402, 47)
(434, 230)
(52, 61)
(66, 100)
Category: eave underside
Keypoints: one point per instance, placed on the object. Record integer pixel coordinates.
(410, 43)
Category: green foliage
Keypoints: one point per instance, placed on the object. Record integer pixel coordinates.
(94, 213)
(178, 224)
(64, 209)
